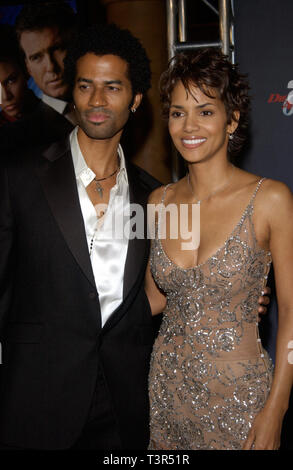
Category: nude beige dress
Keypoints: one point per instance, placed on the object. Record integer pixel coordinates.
(209, 375)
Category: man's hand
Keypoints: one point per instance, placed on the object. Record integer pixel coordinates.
(263, 300)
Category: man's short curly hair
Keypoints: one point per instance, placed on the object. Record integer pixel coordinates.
(208, 69)
(109, 39)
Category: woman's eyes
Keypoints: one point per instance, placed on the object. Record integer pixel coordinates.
(176, 114)
(205, 112)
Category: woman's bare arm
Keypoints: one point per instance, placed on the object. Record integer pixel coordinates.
(266, 429)
(156, 297)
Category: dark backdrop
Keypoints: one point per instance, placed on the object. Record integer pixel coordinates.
(264, 50)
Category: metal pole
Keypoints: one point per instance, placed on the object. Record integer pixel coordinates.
(224, 10)
(232, 31)
(211, 7)
(185, 46)
(172, 40)
(182, 21)
(171, 27)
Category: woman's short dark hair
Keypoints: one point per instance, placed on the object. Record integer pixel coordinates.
(209, 68)
(110, 39)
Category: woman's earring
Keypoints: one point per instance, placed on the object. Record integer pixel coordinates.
(231, 136)
(133, 110)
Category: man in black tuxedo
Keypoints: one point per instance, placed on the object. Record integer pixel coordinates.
(75, 323)
(76, 326)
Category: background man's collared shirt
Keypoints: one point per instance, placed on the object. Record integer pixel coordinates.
(62, 107)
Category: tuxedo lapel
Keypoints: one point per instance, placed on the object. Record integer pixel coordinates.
(57, 176)
(137, 248)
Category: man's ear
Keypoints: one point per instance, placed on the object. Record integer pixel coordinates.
(136, 102)
(234, 122)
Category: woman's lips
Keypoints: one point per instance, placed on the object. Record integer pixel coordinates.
(193, 142)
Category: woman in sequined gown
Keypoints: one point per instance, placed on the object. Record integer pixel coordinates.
(211, 383)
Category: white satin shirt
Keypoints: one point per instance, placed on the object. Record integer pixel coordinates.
(109, 249)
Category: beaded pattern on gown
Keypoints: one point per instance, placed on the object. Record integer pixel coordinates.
(209, 375)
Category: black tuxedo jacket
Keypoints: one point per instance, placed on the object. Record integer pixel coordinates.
(39, 128)
(50, 324)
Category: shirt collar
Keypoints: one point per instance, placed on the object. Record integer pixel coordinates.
(55, 103)
(82, 171)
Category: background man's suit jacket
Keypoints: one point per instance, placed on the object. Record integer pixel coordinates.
(50, 325)
(39, 128)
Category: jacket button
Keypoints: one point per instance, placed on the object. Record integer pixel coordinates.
(92, 295)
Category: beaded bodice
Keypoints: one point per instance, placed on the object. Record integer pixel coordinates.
(213, 306)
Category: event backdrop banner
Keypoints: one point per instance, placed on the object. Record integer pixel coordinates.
(264, 50)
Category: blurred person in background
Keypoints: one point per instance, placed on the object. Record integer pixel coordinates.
(44, 32)
(16, 98)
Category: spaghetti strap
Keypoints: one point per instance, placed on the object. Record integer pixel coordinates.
(161, 208)
(164, 193)
(256, 191)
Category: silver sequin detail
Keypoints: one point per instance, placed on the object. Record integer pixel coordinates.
(209, 374)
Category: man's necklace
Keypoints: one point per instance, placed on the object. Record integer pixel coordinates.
(216, 191)
(100, 190)
(93, 239)
(99, 187)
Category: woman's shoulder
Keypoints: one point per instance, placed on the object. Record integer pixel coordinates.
(276, 190)
(167, 190)
(275, 199)
(155, 196)
(271, 190)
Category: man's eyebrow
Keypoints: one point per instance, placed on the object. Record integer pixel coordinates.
(106, 82)
(87, 80)
(110, 82)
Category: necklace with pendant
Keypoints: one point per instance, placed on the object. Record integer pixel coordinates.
(99, 187)
(221, 188)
